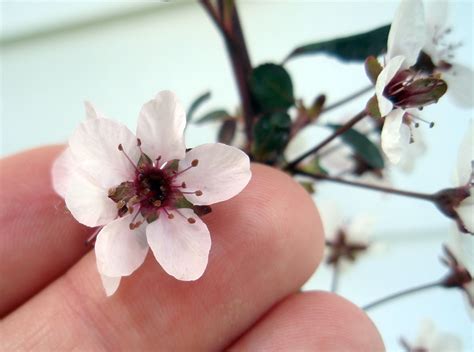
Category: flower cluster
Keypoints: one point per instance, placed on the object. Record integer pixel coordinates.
(146, 190)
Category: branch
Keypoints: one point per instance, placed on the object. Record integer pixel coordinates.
(348, 98)
(318, 176)
(403, 293)
(239, 57)
(348, 125)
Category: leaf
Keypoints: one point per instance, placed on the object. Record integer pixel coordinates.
(212, 116)
(271, 132)
(271, 87)
(362, 146)
(227, 131)
(196, 104)
(352, 48)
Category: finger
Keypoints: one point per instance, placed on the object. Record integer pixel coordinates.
(266, 243)
(312, 321)
(39, 240)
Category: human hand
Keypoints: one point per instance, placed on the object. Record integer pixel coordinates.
(266, 242)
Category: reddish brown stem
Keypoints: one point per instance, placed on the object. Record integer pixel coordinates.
(348, 125)
(239, 57)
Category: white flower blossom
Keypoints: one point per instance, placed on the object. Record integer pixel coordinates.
(405, 41)
(133, 188)
(430, 339)
(463, 177)
(460, 78)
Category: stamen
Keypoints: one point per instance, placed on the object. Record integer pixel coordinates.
(120, 147)
(430, 123)
(170, 216)
(120, 204)
(197, 193)
(191, 220)
(157, 203)
(133, 225)
(195, 163)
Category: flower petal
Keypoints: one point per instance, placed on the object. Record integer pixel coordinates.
(110, 284)
(120, 251)
(88, 202)
(161, 127)
(465, 159)
(222, 172)
(408, 32)
(92, 112)
(436, 16)
(395, 136)
(383, 79)
(61, 171)
(460, 81)
(180, 247)
(94, 145)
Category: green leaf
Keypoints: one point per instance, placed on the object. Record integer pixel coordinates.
(271, 135)
(352, 48)
(362, 146)
(215, 115)
(196, 104)
(227, 131)
(271, 87)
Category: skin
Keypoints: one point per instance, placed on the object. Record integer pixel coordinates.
(267, 241)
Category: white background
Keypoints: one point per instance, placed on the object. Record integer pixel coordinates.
(119, 61)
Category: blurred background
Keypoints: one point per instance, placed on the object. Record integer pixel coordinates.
(55, 55)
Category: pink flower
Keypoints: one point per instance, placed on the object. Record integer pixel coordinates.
(142, 191)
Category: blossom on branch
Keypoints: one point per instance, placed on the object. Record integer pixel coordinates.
(399, 89)
(146, 190)
(429, 339)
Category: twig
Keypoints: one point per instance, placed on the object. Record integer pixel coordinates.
(318, 176)
(348, 125)
(348, 98)
(403, 293)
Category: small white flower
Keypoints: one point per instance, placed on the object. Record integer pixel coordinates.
(399, 89)
(133, 189)
(440, 55)
(459, 257)
(346, 239)
(429, 339)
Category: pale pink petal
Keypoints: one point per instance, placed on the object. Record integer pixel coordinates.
(466, 213)
(465, 159)
(395, 136)
(361, 228)
(222, 172)
(436, 16)
(88, 202)
(61, 172)
(383, 79)
(408, 32)
(94, 146)
(180, 247)
(92, 112)
(331, 218)
(110, 284)
(120, 251)
(161, 127)
(460, 80)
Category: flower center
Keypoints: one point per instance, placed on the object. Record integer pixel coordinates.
(153, 190)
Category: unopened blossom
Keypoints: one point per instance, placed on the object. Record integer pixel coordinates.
(144, 190)
(458, 202)
(399, 89)
(438, 55)
(430, 339)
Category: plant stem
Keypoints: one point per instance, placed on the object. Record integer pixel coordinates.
(348, 98)
(316, 176)
(333, 136)
(239, 57)
(335, 276)
(403, 293)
